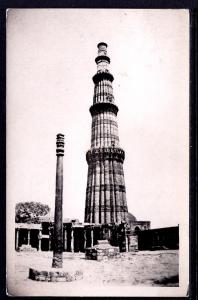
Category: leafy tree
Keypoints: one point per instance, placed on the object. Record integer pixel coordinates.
(29, 212)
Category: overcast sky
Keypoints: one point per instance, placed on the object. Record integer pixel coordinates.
(50, 64)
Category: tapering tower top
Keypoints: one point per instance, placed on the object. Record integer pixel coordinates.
(60, 144)
(102, 60)
(102, 48)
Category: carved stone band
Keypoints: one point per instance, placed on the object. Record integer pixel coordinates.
(101, 154)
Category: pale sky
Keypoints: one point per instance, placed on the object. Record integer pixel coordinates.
(50, 64)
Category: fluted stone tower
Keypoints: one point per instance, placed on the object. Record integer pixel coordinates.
(105, 194)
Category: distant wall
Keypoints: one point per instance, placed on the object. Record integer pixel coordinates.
(159, 238)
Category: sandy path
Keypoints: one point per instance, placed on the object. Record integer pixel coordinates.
(145, 268)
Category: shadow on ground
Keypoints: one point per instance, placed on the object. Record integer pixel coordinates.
(168, 281)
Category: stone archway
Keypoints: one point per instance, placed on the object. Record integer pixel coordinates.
(137, 229)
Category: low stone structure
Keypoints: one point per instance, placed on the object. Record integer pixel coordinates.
(159, 238)
(102, 251)
(27, 248)
(28, 234)
(54, 275)
(77, 236)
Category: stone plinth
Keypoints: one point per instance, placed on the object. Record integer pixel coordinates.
(27, 248)
(102, 251)
(54, 274)
(133, 243)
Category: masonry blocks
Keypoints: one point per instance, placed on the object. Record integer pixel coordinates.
(102, 251)
(54, 275)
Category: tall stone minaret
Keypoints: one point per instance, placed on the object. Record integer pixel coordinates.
(105, 194)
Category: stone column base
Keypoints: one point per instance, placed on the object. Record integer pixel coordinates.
(53, 274)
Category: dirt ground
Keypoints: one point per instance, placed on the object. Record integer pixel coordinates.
(143, 268)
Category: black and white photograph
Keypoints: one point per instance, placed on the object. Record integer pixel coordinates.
(97, 142)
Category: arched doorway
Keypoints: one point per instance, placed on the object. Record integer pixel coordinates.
(137, 229)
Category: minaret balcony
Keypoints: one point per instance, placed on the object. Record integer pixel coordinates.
(102, 58)
(101, 76)
(103, 107)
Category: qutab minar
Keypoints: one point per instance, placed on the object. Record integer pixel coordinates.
(105, 193)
